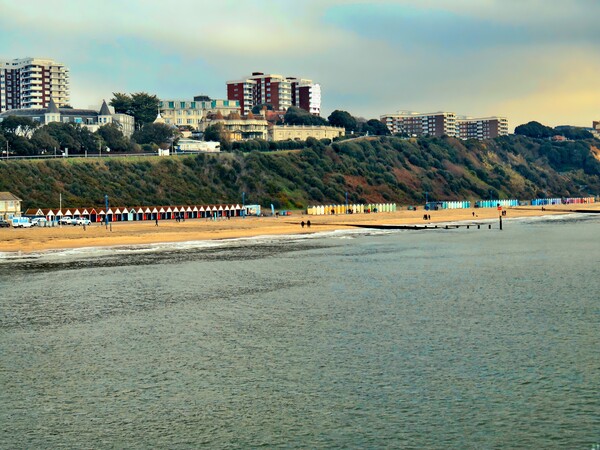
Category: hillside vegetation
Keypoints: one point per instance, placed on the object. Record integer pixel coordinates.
(372, 169)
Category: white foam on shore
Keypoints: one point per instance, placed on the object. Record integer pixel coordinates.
(89, 252)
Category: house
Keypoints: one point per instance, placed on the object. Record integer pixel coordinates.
(10, 206)
(88, 118)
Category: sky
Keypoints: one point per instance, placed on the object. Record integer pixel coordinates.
(523, 59)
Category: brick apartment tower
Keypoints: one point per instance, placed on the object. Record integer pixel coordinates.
(275, 90)
(482, 128)
(419, 124)
(31, 82)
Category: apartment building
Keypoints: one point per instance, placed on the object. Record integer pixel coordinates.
(482, 128)
(275, 90)
(306, 95)
(421, 124)
(194, 112)
(240, 128)
(89, 118)
(31, 82)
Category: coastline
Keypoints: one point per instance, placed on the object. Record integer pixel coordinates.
(24, 241)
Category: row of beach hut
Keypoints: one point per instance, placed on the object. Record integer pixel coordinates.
(562, 201)
(448, 205)
(496, 203)
(321, 210)
(139, 213)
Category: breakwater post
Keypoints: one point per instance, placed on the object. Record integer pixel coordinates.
(500, 223)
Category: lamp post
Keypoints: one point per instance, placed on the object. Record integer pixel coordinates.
(346, 202)
(106, 215)
(244, 205)
(426, 197)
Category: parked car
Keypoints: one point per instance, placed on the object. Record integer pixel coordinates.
(4, 224)
(66, 221)
(38, 222)
(82, 221)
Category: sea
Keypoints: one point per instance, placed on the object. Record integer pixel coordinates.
(396, 339)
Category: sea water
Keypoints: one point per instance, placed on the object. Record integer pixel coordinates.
(406, 339)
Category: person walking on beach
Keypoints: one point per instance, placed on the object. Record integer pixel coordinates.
(156, 222)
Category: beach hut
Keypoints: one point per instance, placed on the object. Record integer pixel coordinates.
(195, 212)
(201, 212)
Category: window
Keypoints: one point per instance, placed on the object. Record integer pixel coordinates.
(171, 104)
(193, 105)
(182, 105)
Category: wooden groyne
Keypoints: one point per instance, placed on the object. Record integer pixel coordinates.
(411, 227)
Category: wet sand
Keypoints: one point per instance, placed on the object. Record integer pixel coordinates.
(131, 233)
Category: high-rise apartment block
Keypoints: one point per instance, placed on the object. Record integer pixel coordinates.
(482, 128)
(445, 123)
(275, 90)
(31, 82)
(418, 124)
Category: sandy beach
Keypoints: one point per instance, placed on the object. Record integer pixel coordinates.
(131, 233)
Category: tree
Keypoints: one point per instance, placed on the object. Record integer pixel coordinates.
(535, 130)
(375, 127)
(19, 145)
(141, 105)
(213, 132)
(299, 116)
(3, 143)
(121, 103)
(574, 133)
(257, 109)
(154, 133)
(19, 125)
(113, 137)
(42, 140)
(66, 135)
(342, 119)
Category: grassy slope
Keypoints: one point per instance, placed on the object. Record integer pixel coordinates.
(369, 169)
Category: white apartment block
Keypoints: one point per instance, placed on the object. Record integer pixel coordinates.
(422, 124)
(306, 95)
(194, 112)
(31, 82)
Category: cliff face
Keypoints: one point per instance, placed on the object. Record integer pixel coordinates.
(373, 169)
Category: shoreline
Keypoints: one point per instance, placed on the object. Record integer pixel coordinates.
(33, 240)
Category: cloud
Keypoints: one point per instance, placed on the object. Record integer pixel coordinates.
(476, 57)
